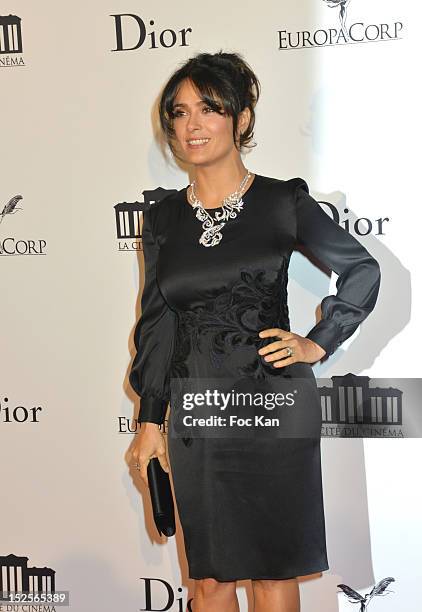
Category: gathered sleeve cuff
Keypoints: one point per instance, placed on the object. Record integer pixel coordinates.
(359, 273)
(153, 337)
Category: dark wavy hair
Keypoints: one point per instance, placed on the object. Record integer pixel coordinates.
(225, 82)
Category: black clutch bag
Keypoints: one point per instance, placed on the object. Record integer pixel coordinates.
(161, 498)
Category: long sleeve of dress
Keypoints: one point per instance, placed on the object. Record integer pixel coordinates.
(154, 338)
(359, 274)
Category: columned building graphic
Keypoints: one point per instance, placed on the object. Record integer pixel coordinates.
(10, 34)
(16, 576)
(352, 400)
(129, 214)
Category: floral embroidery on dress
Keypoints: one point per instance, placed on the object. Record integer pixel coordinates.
(256, 301)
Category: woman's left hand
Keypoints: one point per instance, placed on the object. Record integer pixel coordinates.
(303, 348)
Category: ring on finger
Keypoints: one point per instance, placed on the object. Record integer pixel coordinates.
(137, 465)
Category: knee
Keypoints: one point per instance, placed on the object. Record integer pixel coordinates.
(210, 587)
(270, 585)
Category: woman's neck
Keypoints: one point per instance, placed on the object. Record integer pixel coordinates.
(212, 185)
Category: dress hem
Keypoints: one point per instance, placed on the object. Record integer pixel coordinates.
(278, 577)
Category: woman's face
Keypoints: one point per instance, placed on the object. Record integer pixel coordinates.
(194, 120)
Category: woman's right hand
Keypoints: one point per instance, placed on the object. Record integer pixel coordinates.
(149, 443)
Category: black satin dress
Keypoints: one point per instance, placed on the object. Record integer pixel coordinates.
(249, 509)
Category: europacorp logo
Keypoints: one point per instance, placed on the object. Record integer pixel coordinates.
(350, 27)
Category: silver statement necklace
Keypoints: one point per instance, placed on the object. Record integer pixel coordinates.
(232, 204)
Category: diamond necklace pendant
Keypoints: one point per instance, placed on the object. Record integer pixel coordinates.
(232, 204)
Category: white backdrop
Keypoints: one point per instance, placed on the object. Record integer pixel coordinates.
(78, 137)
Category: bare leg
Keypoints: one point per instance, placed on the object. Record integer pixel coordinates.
(276, 595)
(213, 596)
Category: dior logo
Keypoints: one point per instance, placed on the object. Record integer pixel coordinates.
(132, 25)
(160, 590)
(361, 226)
(18, 414)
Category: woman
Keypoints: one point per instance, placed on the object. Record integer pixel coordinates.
(214, 305)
